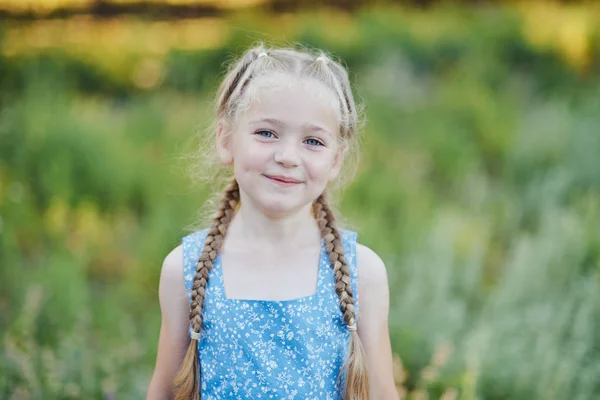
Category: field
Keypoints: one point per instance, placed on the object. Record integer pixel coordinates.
(479, 185)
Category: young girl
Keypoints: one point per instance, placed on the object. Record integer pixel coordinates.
(274, 285)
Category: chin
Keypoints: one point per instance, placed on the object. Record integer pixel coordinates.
(276, 204)
(275, 207)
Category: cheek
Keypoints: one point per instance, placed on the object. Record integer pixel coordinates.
(320, 165)
(251, 154)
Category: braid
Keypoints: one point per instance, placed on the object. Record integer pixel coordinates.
(335, 251)
(357, 386)
(229, 85)
(187, 379)
(332, 71)
(233, 87)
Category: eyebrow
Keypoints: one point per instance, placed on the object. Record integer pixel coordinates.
(281, 124)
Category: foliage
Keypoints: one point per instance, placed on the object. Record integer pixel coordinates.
(479, 187)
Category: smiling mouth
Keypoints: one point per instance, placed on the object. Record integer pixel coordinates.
(281, 180)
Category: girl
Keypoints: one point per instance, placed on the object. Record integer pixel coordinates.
(274, 285)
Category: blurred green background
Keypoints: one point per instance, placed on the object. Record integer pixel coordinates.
(479, 183)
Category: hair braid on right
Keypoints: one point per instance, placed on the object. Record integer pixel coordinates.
(187, 381)
(357, 380)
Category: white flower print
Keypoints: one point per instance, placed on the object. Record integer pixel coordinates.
(255, 349)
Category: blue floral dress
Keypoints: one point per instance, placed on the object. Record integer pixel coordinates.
(262, 349)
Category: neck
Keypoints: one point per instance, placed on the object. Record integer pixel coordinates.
(288, 231)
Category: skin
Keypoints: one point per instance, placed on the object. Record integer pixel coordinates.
(273, 138)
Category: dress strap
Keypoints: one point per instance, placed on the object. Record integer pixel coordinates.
(349, 240)
(192, 248)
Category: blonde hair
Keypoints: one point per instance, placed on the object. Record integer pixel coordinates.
(232, 98)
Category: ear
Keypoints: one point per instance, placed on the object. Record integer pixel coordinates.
(337, 161)
(224, 145)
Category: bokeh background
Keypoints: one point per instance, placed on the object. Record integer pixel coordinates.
(479, 183)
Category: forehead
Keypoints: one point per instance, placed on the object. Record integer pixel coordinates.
(293, 100)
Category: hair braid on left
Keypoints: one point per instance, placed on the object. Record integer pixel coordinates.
(187, 381)
(357, 380)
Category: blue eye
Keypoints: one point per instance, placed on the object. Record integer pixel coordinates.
(314, 142)
(266, 134)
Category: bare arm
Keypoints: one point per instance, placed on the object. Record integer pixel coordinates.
(373, 328)
(174, 337)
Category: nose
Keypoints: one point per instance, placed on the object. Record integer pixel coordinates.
(287, 154)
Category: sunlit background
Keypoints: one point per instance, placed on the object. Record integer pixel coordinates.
(479, 183)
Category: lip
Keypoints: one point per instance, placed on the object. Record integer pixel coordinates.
(283, 180)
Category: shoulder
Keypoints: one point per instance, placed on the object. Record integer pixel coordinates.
(373, 290)
(372, 273)
(171, 275)
(373, 322)
(171, 272)
(173, 263)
